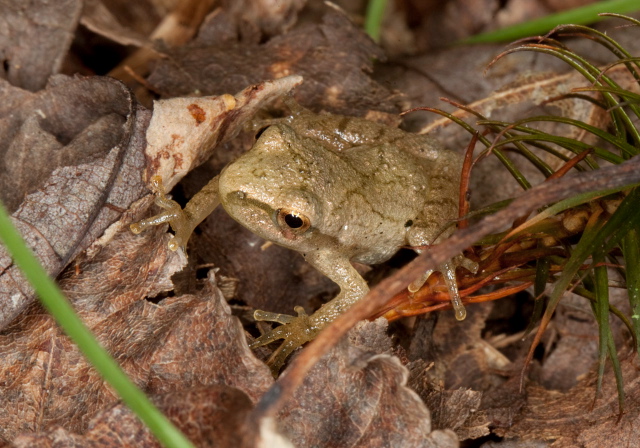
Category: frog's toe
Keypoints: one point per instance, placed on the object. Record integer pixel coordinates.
(172, 213)
(448, 271)
(295, 330)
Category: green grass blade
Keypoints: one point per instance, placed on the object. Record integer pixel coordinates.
(563, 205)
(631, 251)
(373, 19)
(612, 230)
(584, 15)
(601, 308)
(617, 371)
(568, 143)
(581, 291)
(60, 308)
(605, 337)
(542, 277)
(604, 135)
(621, 119)
(603, 39)
(508, 164)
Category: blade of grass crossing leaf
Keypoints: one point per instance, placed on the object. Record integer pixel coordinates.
(60, 308)
(630, 219)
(631, 251)
(583, 15)
(568, 143)
(605, 40)
(621, 120)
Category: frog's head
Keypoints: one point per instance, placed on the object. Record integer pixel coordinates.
(270, 190)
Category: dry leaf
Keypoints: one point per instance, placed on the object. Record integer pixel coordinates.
(99, 19)
(458, 410)
(357, 398)
(71, 159)
(573, 419)
(34, 39)
(265, 17)
(179, 344)
(184, 131)
(210, 416)
(333, 57)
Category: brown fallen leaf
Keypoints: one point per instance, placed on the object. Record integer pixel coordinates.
(358, 398)
(574, 419)
(333, 57)
(141, 16)
(99, 19)
(458, 410)
(211, 416)
(34, 39)
(71, 160)
(177, 345)
(265, 17)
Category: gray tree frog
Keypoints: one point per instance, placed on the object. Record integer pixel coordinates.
(336, 189)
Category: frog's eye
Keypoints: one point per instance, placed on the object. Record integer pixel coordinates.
(261, 131)
(290, 219)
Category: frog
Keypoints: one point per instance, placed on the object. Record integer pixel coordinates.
(336, 189)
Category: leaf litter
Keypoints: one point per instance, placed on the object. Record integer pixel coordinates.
(76, 153)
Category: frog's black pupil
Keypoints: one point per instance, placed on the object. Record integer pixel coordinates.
(293, 221)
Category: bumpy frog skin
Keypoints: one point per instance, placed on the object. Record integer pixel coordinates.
(336, 189)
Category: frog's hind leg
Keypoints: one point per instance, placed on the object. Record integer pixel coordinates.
(427, 232)
(297, 330)
(448, 270)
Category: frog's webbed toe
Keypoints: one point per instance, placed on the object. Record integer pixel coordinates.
(295, 330)
(448, 270)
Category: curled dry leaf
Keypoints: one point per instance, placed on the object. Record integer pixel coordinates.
(561, 417)
(357, 398)
(267, 17)
(210, 416)
(178, 344)
(71, 158)
(333, 57)
(184, 131)
(34, 39)
(99, 19)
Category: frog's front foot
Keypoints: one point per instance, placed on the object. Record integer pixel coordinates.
(448, 271)
(173, 214)
(295, 330)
